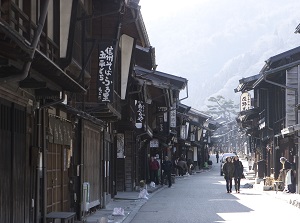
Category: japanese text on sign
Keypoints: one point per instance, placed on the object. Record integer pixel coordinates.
(162, 119)
(245, 101)
(140, 113)
(173, 117)
(105, 74)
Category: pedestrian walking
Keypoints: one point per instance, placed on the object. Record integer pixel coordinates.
(228, 171)
(238, 173)
(167, 168)
(182, 167)
(154, 167)
(189, 164)
(250, 163)
(217, 156)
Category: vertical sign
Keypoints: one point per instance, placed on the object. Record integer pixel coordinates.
(199, 135)
(120, 145)
(183, 131)
(245, 101)
(192, 134)
(140, 114)
(162, 120)
(187, 124)
(173, 117)
(105, 73)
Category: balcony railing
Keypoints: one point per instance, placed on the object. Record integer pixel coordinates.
(20, 22)
(106, 111)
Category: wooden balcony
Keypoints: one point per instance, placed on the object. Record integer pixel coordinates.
(16, 34)
(19, 21)
(105, 111)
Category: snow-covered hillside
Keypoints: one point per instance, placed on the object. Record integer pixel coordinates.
(214, 43)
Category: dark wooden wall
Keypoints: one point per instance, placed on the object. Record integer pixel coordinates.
(125, 167)
(14, 164)
(120, 174)
(58, 194)
(129, 160)
(92, 160)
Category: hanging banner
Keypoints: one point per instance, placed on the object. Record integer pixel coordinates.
(245, 101)
(105, 72)
(162, 120)
(58, 134)
(173, 117)
(199, 135)
(67, 131)
(140, 114)
(120, 146)
(183, 131)
(59, 131)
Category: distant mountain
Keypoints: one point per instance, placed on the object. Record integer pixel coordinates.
(215, 43)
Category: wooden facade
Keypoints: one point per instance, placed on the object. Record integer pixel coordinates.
(59, 141)
(276, 97)
(38, 141)
(16, 175)
(93, 162)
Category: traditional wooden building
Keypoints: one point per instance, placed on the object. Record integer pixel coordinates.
(160, 97)
(194, 136)
(133, 129)
(117, 32)
(57, 107)
(36, 133)
(74, 76)
(275, 114)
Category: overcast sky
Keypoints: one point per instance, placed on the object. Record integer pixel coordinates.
(214, 43)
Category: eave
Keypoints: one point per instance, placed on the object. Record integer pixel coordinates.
(182, 108)
(199, 114)
(49, 69)
(82, 114)
(281, 59)
(16, 51)
(108, 112)
(161, 79)
(245, 84)
(278, 63)
(145, 57)
(247, 115)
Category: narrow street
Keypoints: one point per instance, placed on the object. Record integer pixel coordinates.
(202, 197)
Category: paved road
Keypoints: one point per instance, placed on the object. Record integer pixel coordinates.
(202, 198)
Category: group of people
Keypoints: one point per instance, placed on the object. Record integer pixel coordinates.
(181, 167)
(167, 167)
(233, 169)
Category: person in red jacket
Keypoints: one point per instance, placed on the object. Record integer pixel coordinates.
(154, 167)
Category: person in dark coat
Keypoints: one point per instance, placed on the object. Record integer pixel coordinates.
(217, 156)
(177, 168)
(167, 168)
(183, 168)
(154, 167)
(228, 171)
(238, 173)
